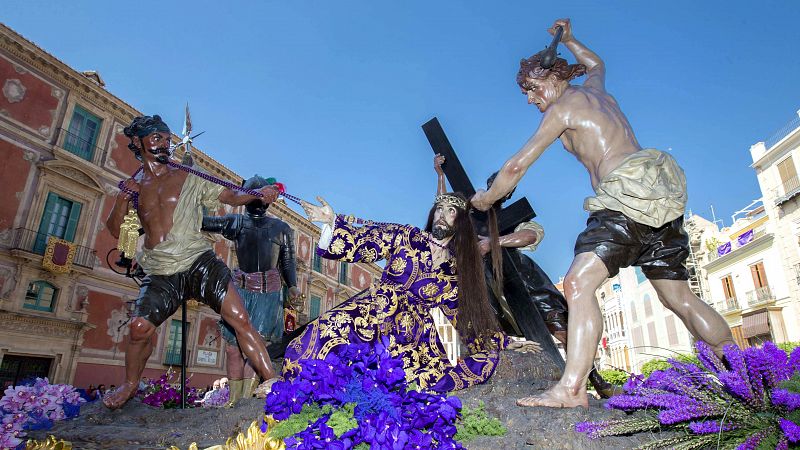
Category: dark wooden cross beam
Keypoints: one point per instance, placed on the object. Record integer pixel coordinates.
(525, 314)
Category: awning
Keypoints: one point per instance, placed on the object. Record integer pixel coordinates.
(755, 324)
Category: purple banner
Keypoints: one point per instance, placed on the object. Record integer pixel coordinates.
(724, 249)
(744, 238)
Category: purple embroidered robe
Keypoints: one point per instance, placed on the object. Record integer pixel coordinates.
(397, 305)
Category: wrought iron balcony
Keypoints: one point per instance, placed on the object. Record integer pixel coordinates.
(30, 241)
(729, 305)
(78, 145)
(783, 132)
(760, 296)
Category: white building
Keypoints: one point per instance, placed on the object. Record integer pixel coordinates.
(637, 327)
(746, 277)
(775, 162)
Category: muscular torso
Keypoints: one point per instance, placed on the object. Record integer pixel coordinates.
(158, 197)
(597, 132)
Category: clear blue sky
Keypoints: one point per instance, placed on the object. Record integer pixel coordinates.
(329, 96)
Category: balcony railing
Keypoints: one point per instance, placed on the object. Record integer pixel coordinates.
(32, 242)
(77, 145)
(729, 305)
(783, 132)
(759, 296)
(786, 190)
(735, 245)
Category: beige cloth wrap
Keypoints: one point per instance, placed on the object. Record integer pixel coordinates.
(185, 242)
(536, 228)
(649, 187)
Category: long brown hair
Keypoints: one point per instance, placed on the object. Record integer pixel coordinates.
(475, 317)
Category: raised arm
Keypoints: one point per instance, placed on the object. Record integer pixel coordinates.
(441, 187)
(236, 198)
(342, 241)
(552, 126)
(595, 68)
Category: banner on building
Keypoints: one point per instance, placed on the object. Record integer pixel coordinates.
(745, 238)
(724, 249)
(58, 255)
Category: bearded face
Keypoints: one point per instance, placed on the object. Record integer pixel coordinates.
(444, 216)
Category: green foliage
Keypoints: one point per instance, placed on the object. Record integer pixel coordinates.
(342, 420)
(615, 377)
(788, 346)
(653, 365)
(361, 446)
(475, 422)
(299, 422)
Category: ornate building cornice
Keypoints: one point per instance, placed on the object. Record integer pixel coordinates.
(42, 326)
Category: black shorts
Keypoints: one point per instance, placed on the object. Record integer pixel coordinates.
(621, 242)
(205, 281)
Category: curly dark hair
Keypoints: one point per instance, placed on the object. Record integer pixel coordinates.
(142, 126)
(531, 68)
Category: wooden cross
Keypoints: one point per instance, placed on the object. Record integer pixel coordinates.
(524, 313)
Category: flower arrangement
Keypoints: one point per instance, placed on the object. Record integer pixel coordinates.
(162, 394)
(35, 407)
(217, 399)
(359, 398)
(753, 402)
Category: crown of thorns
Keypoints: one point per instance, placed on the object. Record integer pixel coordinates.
(450, 199)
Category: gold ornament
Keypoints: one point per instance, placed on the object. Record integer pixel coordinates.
(129, 234)
(48, 444)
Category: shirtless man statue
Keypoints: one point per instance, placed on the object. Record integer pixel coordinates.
(177, 258)
(636, 217)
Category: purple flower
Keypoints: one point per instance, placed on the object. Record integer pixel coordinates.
(752, 442)
(708, 427)
(791, 430)
(709, 359)
(789, 400)
(592, 429)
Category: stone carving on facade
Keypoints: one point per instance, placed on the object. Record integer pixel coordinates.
(7, 281)
(362, 280)
(118, 324)
(81, 298)
(44, 130)
(14, 90)
(57, 93)
(19, 69)
(30, 156)
(39, 326)
(6, 236)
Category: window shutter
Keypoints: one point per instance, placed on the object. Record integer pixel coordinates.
(72, 222)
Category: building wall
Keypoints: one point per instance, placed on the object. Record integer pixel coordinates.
(84, 336)
(783, 207)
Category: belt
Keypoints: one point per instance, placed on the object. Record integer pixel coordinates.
(262, 282)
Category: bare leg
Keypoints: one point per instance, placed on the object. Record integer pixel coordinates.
(235, 363)
(249, 340)
(584, 328)
(700, 319)
(140, 347)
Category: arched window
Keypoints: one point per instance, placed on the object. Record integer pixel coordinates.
(41, 296)
(648, 305)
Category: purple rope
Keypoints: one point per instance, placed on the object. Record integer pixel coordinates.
(135, 195)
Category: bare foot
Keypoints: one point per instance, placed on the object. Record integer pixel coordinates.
(557, 396)
(265, 388)
(121, 395)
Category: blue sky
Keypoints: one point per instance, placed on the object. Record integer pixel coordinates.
(329, 97)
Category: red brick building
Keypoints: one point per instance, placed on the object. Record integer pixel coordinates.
(62, 153)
